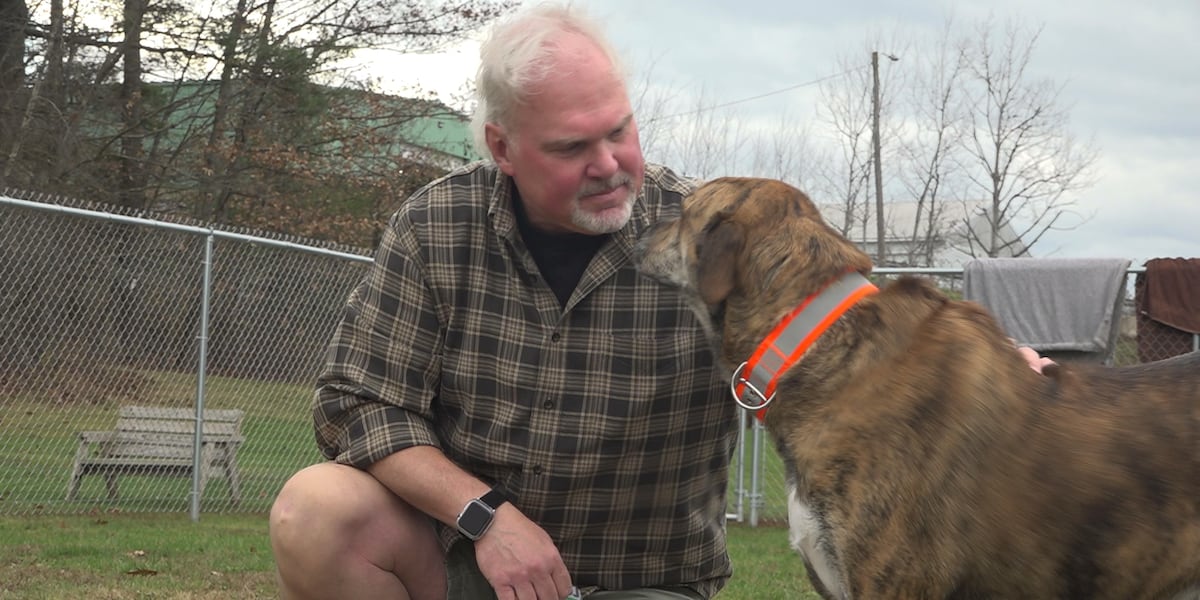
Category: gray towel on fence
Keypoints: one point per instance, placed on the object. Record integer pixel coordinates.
(1052, 304)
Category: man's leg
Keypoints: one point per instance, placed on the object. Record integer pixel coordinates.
(338, 533)
(465, 581)
(646, 594)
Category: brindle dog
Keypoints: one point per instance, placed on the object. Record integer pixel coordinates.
(925, 458)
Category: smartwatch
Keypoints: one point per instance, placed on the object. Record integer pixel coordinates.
(476, 516)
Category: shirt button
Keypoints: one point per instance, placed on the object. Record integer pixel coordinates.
(548, 404)
(554, 337)
(537, 469)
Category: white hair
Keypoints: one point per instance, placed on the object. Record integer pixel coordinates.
(518, 54)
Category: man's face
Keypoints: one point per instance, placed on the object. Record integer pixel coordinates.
(573, 148)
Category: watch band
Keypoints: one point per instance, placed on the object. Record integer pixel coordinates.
(494, 498)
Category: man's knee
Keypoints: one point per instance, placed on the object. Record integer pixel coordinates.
(328, 517)
(322, 508)
(306, 496)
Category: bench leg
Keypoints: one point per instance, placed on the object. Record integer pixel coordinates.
(235, 484)
(110, 482)
(73, 487)
(77, 471)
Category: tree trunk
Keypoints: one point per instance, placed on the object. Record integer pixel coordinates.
(14, 18)
(132, 173)
(218, 155)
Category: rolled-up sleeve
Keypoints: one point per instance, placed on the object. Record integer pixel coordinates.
(375, 394)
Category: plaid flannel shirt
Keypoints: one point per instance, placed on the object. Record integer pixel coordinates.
(605, 420)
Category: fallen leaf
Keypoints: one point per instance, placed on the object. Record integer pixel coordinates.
(141, 572)
(138, 553)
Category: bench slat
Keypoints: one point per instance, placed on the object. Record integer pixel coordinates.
(172, 427)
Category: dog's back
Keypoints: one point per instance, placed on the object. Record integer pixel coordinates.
(1111, 459)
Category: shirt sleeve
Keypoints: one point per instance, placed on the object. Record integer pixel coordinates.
(375, 394)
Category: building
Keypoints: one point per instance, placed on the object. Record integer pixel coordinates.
(911, 242)
(441, 138)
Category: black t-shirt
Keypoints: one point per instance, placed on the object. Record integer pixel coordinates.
(561, 257)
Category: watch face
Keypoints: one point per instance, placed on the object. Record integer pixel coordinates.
(475, 519)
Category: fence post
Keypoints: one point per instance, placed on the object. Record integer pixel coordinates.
(739, 492)
(201, 367)
(756, 466)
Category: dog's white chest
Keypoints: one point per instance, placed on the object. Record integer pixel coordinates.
(805, 538)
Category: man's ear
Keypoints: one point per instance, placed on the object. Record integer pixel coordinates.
(498, 144)
(716, 261)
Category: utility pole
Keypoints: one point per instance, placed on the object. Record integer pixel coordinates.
(882, 250)
(881, 253)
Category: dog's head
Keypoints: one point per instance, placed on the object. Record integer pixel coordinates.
(749, 249)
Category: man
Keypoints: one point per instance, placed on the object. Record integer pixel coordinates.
(503, 373)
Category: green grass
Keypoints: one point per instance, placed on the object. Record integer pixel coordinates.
(119, 557)
(135, 549)
(151, 556)
(38, 440)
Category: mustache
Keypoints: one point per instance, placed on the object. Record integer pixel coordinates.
(618, 179)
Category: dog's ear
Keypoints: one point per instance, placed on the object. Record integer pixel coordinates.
(716, 261)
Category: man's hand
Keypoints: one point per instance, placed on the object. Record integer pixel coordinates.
(1035, 360)
(520, 560)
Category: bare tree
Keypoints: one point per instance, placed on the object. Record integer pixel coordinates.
(845, 108)
(1020, 154)
(700, 136)
(652, 104)
(785, 152)
(703, 139)
(932, 135)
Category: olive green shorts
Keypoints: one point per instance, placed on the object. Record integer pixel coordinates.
(467, 583)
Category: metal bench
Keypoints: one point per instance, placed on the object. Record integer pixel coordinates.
(151, 440)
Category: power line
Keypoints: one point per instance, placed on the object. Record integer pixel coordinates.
(758, 97)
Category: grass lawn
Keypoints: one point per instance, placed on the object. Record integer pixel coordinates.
(150, 556)
(39, 438)
(143, 546)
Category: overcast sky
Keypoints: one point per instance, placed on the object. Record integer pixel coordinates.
(1130, 71)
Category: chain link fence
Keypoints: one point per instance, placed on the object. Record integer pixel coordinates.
(103, 311)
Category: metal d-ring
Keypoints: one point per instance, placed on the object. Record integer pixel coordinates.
(736, 380)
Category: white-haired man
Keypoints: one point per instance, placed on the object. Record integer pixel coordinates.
(507, 405)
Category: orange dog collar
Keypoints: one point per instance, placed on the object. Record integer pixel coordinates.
(792, 337)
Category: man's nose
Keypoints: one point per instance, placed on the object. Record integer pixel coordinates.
(603, 163)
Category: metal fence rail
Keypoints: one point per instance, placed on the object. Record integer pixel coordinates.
(100, 310)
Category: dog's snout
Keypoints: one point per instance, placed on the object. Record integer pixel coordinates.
(657, 255)
(646, 242)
